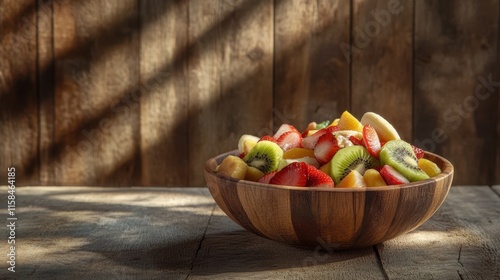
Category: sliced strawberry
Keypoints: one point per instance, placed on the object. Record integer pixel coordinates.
(242, 155)
(382, 143)
(326, 148)
(318, 178)
(356, 141)
(294, 174)
(332, 128)
(418, 152)
(284, 128)
(310, 142)
(290, 139)
(392, 177)
(268, 138)
(372, 143)
(266, 178)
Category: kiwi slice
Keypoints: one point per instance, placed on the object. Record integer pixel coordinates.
(351, 158)
(264, 156)
(400, 155)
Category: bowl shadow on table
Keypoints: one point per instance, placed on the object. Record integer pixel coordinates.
(140, 237)
(237, 250)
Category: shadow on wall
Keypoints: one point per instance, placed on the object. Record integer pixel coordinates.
(73, 154)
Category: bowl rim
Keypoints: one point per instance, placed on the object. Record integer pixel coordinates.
(445, 172)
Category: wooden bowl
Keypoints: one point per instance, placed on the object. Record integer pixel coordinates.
(338, 218)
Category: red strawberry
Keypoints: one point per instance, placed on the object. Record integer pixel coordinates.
(382, 143)
(418, 152)
(266, 178)
(318, 178)
(326, 148)
(356, 141)
(294, 174)
(268, 138)
(332, 128)
(242, 155)
(372, 143)
(284, 128)
(310, 142)
(392, 177)
(290, 139)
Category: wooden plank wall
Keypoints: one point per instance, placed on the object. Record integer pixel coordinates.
(128, 92)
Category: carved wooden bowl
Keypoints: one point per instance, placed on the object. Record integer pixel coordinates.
(337, 218)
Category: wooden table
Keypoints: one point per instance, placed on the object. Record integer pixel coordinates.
(179, 233)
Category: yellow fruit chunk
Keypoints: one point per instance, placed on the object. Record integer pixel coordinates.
(253, 174)
(429, 167)
(311, 126)
(298, 153)
(248, 145)
(353, 180)
(373, 178)
(233, 166)
(311, 132)
(325, 168)
(349, 122)
(335, 122)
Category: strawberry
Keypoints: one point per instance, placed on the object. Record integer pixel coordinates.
(332, 128)
(318, 178)
(294, 174)
(290, 139)
(284, 128)
(356, 141)
(418, 152)
(266, 178)
(372, 143)
(310, 142)
(268, 138)
(311, 126)
(392, 177)
(326, 148)
(242, 155)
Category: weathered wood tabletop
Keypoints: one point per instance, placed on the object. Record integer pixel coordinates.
(179, 233)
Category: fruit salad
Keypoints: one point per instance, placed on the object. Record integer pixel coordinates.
(345, 153)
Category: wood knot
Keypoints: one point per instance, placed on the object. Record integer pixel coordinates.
(255, 54)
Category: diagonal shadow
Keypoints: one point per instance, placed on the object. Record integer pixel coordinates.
(109, 40)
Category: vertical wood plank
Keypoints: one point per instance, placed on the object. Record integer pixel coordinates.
(96, 113)
(46, 85)
(230, 76)
(455, 52)
(382, 54)
(311, 76)
(164, 119)
(18, 95)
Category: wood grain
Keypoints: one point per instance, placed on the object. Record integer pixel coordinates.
(164, 92)
(356, 217)
(18, 93)
(311, 76)
(120, 233)
(230, 76)
(459, 242)
(382, 61)
(96, 68)
(452, 50)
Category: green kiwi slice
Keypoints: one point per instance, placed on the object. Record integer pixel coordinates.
(265, 156)
(351, 158)
(400, 155)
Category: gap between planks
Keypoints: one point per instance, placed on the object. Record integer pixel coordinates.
(201, 241)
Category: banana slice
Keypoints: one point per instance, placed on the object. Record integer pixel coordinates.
(245, 137)
(385, 130)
